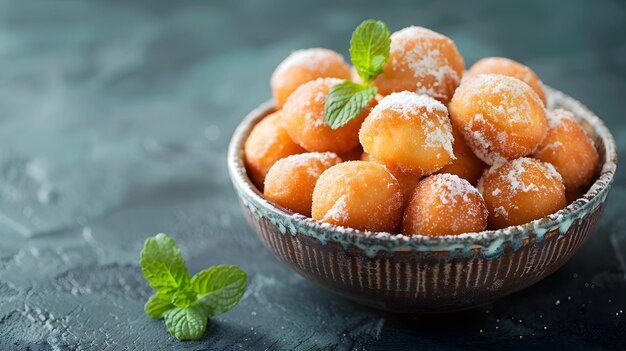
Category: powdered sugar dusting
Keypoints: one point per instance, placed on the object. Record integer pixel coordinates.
(523, 73)
(501, 100)
(338, 211)
(449, 198)
(515, 179)
(440, 137)
(500, 211)
(552, 172)
(431, 114)
(314, 59)
(312, 92)
(423, 59)
(457, 188)
(416, 32)
(307, 160)
(265, 145)
(556, 116)
(409, 103)
(510, 178)
(269, 133)
(358, 194)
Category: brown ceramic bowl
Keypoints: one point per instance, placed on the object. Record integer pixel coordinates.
(424, 274)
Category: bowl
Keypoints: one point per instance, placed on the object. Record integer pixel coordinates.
(421, 274)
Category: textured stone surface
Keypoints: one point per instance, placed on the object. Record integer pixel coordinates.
(114, 122)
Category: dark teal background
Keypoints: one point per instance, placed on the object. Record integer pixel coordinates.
(114, 122)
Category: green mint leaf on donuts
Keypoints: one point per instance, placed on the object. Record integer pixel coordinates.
(345, 101)
(369, 49)
(185, 304)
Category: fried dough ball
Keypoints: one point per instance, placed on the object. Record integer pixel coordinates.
(409, 132)
(421, 61)
(500, 117)
(291, 180)
(568, 148)
(407, 181)
(508, 67)
(521, 191)
(360, 195)
(304, 119)
(267, 143)
(303, 66)
(466, 165)
(444, 204)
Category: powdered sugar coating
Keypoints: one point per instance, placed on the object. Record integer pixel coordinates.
(291, 180)
(521, 190)
(445, 204)
(337, 212)
(309, 94)
(513, 177)
(307, 161)
(421, 61)
(408, 104)
(508, 67)
(457, 189)
(268, 142)
(303, 66)
(556, 116)
(358, 194)
(425, 59)
(500, 117)
(304, 119)
(404, 128)
(568, 147)
(312, 59)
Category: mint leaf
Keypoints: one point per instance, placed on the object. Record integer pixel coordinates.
(157, 305)
(219, 288)
(345, 101)
(369, 49)
(163, 265)
(186, 323)
(184, 298)
(185, 303)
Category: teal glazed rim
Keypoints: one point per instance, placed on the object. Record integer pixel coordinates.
(490, 243)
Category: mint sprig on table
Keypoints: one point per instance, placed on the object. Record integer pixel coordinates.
(186, 303)
(369, 51)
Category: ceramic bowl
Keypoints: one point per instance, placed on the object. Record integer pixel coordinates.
(426, 274)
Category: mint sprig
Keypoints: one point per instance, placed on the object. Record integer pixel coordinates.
(369, 51)
(185, 303)
(346, 101)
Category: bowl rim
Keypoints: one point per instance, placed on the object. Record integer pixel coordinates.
(595, 195)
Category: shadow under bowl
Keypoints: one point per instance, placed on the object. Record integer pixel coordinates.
(420, 274)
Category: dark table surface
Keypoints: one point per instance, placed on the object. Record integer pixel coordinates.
(114, 122)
